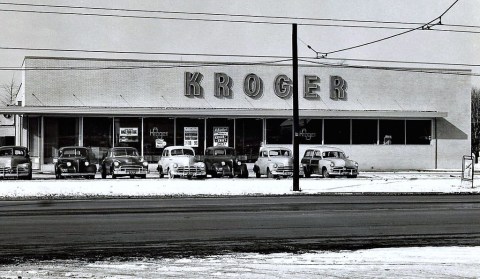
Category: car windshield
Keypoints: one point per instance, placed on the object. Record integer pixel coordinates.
(73, 152)
(222, 152)
(334, 154)
(124, 152)
(183, 151)
(279, 152)
(12, 151)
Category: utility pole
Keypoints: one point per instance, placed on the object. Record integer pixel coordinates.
(296, 162)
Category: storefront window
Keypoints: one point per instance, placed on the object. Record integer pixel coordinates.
(157, 134)
(34, 136)
(128, 132)
(220, 131)
(59, 132)
(364, 131)
(97, 134)
(337, 131)
(310, 131)
(279, 131)
(419, 131)
(392, 132)
(190, 132)
(248, 137)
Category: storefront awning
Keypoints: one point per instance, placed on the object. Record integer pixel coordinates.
(200, 112)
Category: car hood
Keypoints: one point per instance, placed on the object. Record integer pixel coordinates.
(183, 160)
(12, 161)
(342, 162)
(286, 161)
(128, 160)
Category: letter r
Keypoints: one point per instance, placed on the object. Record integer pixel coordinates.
(338, 88)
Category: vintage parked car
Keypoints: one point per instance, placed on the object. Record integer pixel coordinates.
(15, 162)
(74, 161)
(180, 161)
(328, 161)
(223, 161)
(123, 161)
(274, 162)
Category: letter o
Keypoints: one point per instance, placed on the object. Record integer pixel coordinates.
(252, 85)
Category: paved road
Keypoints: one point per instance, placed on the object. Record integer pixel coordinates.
(182, 226)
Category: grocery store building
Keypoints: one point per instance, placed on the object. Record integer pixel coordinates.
(384, 118)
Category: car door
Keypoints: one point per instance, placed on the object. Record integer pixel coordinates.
(263, 161)
(315, 162)
(164, 160)
(306, 160)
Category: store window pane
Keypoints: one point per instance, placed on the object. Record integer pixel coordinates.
(220, 132)
(34, 136)
(128, 132)
(248, 137)
(97, 134)
(157, 134)
(337, 131)
(364, 131)
(279, 131)
(59, 132)
(190, 132)
(392, 132)
(419, 131)
(310, 131)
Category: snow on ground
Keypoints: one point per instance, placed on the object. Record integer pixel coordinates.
(390, 182)
(416, 262)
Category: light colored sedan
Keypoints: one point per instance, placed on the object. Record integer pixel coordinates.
(180, 161)
(274, 162)
(328, 161)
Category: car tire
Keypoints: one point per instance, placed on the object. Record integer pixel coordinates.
(143, 176)
(257, 174)
(132, 176)
(29, 176)
(325, 173)
(170, 174)
(57, 174)
(243, 171)
(352, 176)
(114, 176)
(160, 172)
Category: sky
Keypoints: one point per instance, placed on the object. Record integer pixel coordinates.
(55, 31)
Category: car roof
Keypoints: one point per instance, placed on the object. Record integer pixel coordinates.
(325, 148)
(274, 148)
(13, 146)
(178, 147)
(118, 148)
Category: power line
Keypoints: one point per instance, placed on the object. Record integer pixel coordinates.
(222, 14)
(426, 26)
(234, 21)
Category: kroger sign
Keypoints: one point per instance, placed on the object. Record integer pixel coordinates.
(253, 86)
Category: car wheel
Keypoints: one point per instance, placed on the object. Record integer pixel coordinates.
(214, 174)
(132, 176)
(160, 172)
(325, 173)
(269, 174)
(257, 174)
(143, 176)
(57, 174)
(352, 176)
(243, 171)
(29, 176)
(114, 176)
(170, 174)
(92, 177)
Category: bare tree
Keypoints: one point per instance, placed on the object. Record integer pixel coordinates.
(10, 91)
(476, 121)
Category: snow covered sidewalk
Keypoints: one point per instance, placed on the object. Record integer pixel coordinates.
(368, 182)
(415, 262)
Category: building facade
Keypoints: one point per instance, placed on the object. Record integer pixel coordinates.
(384, 118)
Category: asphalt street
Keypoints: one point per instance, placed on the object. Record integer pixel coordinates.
(193, 226)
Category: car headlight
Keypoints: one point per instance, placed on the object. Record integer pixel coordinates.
(25, 165)
(223, 163)
(356, 164)
(275, 166)
(87, 164)
(332, 164)
(201, 164)
(239, 163)
(145, 164)
(141, 160)
(175, 165)
(116, 164)
(69, 164)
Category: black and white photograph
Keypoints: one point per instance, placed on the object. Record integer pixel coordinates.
(239, 139)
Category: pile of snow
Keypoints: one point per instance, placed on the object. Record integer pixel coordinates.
(414, 182)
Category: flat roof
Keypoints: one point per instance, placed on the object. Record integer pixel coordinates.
(214, 112)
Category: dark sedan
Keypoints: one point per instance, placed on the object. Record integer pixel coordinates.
(75, 161)
(223, 161)
(123, 161)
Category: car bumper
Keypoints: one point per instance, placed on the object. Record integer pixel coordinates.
(343, 171)
(189, 172)
(14, 172)
(125, 172)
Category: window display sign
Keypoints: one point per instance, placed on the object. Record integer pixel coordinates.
(160, 143)
(128, 135)
(190, 136)
(220, 136)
